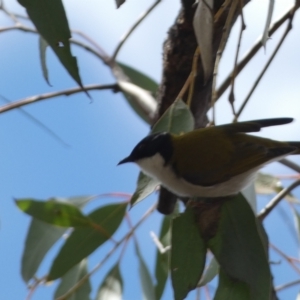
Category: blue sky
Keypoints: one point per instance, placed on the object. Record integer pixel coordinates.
(102, 131)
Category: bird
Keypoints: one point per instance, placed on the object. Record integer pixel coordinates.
(210, 162)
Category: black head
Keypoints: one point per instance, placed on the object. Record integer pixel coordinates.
(155, 143)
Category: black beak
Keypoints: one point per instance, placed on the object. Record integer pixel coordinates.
(125, 160)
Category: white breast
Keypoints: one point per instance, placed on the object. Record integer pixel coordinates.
(154, 167)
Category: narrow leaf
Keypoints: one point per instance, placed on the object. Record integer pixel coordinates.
(83, 241)
(268, 22)
(177, 119)
(162, 259)
(71, 278)
(40, 238)
(54, 212)
(138, 78)
(141, 100)
(145, 186)
(112, 286)
(51, 22)
(210, 273)
(147, 84)
(146, 281)
(250, 196)
(203, 26)
(188, 254)
(43, 47)
(240, 248)
(232, 289)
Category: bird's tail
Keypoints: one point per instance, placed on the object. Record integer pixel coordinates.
(296, 145)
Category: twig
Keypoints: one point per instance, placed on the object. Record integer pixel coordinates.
(101, 55)
(243, 27)
(66, 92)
(107, 256)
(290, 164)
(250, 54)
(272, 204)
(287, 285)
(39, 123)
(137, 23)
(219, 55)
(288, 28)
(286, 257)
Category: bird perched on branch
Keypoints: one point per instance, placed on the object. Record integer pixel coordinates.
(210, 162)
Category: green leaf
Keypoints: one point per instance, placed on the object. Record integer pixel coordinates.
(250, 196)
(177, 119)
(145, 186)
(112, 286)
(240, 249)
(231, 289)
(143, 81)
(188, 254)
(40, 238)
(83, 241)
(54, 212)
(43, 47)
(70, 279)
(138, 78)
(210, 273)
(162, 259)
(51, 22)
(146, 281)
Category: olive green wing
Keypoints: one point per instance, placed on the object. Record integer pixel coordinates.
(247, 156)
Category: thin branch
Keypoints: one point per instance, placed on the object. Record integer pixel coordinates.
(137, 23)
(272, 204)
(219, 55)
(39, 123)
(72, 290)
(286, 257)
(287, 285)
(101, 55)
(250, 54)
(67, 92)
(243, 27)
(290, 164)
(288, 28)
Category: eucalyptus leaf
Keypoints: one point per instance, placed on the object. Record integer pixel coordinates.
(139, 79)
(188, 253)
(177, 119)
(112, 286)
(39, 240)
(146, 281)
(70, 279)
(203, 27)
(210, 273)
(51, 22)
(232, 289)
(162, 259)
(83, 241)
(43, 47)
(54, 212)
(268, 22)
(145, 186)
(240, 248)
(41, 237)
